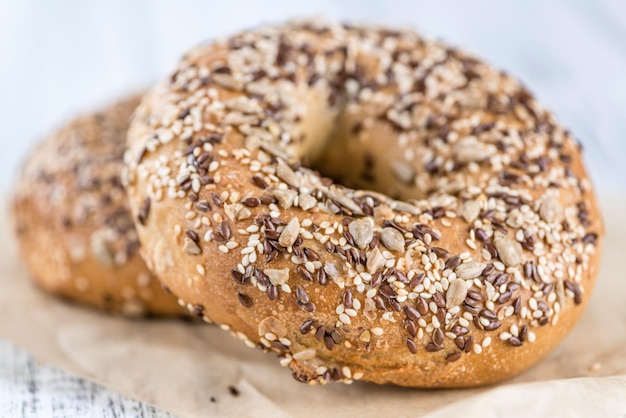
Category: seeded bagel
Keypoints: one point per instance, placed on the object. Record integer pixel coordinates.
(75, 231)
(365, 203)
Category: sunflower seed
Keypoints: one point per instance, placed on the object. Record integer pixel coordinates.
(273, 325)
(286, 174)
(509, 251)
(469, 270)
(100, 249)
(550, 209)
(191, 248)
(228, 81)
(277, 276)
(337, 195)
(290, 233)
(403, 171)
(469, 149)
(470, 210)
(457, 291)
(375, 260)
(306, 201)
(362, 232)
(392, 239)
(285, 197)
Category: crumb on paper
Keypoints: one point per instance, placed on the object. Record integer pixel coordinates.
(595, 367)
(233, 391)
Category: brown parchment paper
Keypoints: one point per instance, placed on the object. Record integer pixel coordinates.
(180, 366)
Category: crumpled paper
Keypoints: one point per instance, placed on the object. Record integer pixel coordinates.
(198, 370)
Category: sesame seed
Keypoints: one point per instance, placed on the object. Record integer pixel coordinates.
(200, 269)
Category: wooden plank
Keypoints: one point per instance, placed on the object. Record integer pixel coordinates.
(29, 389)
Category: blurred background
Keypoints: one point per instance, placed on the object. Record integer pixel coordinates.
(59, 58)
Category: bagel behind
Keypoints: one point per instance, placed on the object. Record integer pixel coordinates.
(75, 231)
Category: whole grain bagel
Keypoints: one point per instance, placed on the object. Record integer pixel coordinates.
(75, 230)
(451, 239)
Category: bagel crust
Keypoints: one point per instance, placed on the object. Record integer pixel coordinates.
(75, 231)
(451, 240)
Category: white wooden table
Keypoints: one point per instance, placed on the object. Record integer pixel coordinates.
(30, 389)
(58, 57)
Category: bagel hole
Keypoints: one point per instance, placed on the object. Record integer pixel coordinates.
(367, 159)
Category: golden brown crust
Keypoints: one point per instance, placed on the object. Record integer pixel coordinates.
(476, 274)
(75, 230)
